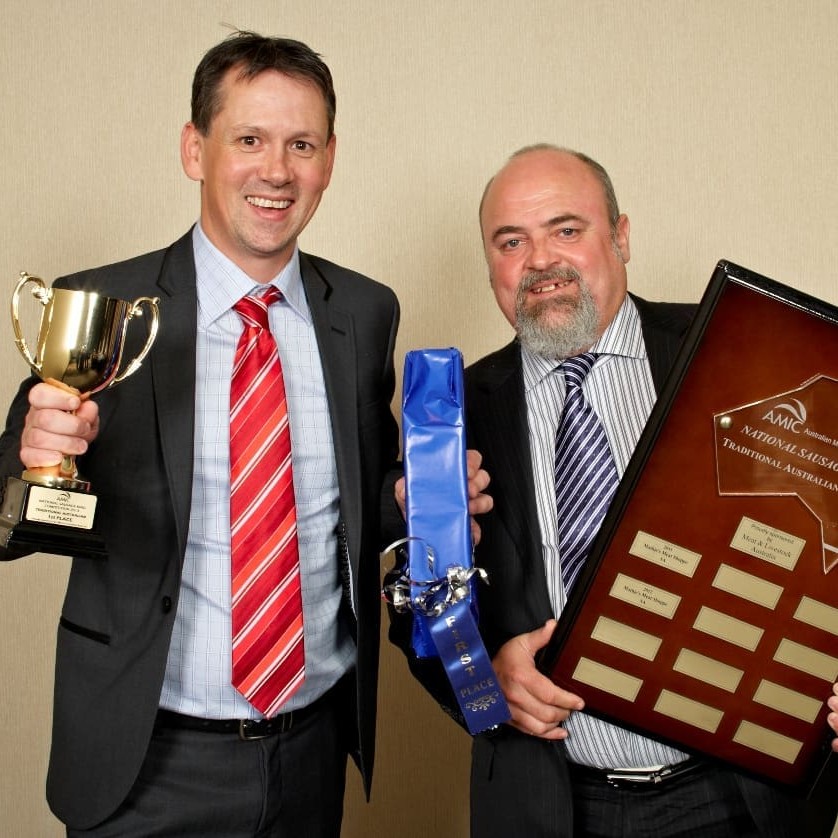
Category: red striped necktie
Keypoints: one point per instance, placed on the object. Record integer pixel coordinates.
(268, 656)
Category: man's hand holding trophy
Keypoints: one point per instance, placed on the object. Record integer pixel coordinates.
(79, 349)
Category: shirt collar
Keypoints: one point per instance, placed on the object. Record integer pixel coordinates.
(623, 336)
(221, 283)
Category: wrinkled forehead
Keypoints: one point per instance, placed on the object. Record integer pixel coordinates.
(537, 187)
(239, 90)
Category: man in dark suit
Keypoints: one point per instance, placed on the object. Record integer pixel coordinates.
(557, 246)
(149, 734)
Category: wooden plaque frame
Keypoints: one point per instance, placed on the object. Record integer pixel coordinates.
(707, 613)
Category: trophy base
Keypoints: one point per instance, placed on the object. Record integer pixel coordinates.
(47, 519)
(70, 484)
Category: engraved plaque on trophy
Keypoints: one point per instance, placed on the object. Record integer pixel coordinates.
(707, 613)
(79, 348)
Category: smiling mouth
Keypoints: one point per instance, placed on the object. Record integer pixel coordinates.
(266, 203)
(551, 286)
(548, 282)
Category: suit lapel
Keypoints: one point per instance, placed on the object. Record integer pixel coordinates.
(173, 375)
(334, 327)
(664, 326)
(498, 399)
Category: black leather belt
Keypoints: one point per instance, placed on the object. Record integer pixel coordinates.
(246, 729)
(636, 778)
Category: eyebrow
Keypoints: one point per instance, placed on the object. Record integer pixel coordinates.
(250, 129)
(506, 230)
(556, 221)
(245, 128)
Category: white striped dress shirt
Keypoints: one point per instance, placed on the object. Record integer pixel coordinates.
(621, 391)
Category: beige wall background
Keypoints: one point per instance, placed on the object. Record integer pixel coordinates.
(715, 118)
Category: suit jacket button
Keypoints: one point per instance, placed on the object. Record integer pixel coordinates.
(166, 604)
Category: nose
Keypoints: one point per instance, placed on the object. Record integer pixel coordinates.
(275, 169)
(543, 254)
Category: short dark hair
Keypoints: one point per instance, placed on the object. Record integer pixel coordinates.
(254, 54)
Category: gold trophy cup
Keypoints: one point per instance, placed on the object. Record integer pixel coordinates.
(80, 345)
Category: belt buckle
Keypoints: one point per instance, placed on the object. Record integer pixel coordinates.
(244, 731)
(649, 776)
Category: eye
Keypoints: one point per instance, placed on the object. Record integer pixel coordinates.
(510, 244)
(303, 148)
(249, 142)
(567, 232)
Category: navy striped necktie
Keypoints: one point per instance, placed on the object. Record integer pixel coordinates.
(586, 476)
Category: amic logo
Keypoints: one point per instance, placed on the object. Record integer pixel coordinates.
(64, 497)
(789, 415)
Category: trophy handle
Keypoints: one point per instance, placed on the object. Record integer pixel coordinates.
(136, 310)
(43, 295)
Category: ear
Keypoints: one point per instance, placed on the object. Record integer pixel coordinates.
(621, 238)
(192, 152)
(330, 158)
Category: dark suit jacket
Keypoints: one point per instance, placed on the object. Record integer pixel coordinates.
(117, 616)
(516, 599)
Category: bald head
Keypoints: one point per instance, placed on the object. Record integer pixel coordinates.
(608, 194)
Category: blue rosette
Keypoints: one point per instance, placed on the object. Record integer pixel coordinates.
(437, 577)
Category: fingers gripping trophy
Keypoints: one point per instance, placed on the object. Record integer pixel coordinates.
(80, 346)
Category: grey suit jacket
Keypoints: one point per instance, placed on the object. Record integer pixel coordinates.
(117, 617)
(516, 599)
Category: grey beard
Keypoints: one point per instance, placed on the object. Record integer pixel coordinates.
(542, 337)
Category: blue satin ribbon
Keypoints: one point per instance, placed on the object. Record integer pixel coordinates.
(438, 583)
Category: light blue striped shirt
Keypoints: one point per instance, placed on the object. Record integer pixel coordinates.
(198, 670)
(621, 391)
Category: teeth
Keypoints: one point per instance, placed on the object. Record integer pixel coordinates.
(264, 202)
(543, 289)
